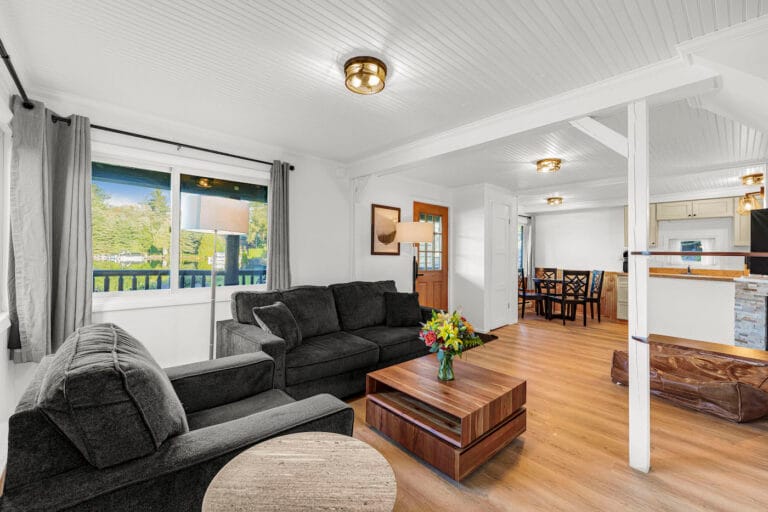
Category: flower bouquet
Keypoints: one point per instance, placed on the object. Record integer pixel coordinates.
(448, 334)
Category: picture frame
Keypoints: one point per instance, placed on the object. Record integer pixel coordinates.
(384, 221)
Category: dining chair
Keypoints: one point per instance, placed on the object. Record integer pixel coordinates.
(525, 294)
(595, 293)
(572, 293)
(544, 288)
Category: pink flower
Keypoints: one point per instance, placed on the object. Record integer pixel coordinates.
(430, 338)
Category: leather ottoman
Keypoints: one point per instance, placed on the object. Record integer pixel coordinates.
(719, 384)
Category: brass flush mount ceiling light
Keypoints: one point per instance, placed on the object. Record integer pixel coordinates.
(548, 165)
(752, 179)
(365, 75)
(554, 201)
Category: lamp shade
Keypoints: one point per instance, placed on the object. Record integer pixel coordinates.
(414, 232)
(209, 213)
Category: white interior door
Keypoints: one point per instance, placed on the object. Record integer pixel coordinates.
(501, 270)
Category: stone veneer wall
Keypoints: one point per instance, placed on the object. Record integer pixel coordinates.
(750, 312)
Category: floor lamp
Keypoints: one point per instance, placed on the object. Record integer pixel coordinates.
(220, 216)
(415, 233)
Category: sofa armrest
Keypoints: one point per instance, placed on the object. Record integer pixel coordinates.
(177, 475)
(212, 383)
(235, 338)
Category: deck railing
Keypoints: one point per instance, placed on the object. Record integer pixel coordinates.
(125, 280)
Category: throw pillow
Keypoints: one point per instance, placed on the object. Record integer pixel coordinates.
(402, 309)
(278, 320)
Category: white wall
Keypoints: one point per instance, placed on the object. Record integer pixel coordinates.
(391, 190)
(720, 230)
(469, 265)
(694, 309)
(580, 240)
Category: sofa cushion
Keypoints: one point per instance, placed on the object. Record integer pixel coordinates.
(314, 309)
(327, 355)
(393, 342)
(277, 319)
(403, 309)
(361, 304)
(107, 394)
(239, 409)
(242, 304)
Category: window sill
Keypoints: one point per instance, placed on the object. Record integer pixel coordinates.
(123, 301)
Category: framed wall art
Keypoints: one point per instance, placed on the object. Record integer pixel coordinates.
(384, 221)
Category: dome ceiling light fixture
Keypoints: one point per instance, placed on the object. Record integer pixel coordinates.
(365, 75)
(554, 201)
(548, 165)
(752, 179)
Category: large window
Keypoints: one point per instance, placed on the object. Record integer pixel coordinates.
(131, 210)
(239, 258)
(134, 225)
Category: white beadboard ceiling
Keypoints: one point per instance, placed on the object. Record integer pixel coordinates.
(691, 150)
(271, 71)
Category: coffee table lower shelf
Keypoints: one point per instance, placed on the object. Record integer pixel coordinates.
(432, 445)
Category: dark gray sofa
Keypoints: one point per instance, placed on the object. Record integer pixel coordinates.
(144, 438)
(344, 333)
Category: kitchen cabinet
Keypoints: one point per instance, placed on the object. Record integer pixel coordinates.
(720, 207)
(702, 208)
(622, 297)
(742, 235)
(674, 211)
(653, 227)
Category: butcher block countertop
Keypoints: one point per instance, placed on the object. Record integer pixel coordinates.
(696, 274)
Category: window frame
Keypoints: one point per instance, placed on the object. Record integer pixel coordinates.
(175, 166)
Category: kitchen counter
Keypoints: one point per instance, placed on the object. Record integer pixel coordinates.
(696, 274)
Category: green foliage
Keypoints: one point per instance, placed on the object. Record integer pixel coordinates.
(145, 228)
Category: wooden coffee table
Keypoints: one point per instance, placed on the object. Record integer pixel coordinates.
(455, 426)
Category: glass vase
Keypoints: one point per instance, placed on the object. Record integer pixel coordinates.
(445, 370)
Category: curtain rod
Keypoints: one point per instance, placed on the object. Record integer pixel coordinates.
(68, 121)
(27, 103)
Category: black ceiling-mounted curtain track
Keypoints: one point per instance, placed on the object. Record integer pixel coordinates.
(29, 105)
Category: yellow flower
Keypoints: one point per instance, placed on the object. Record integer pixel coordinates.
(470, 328)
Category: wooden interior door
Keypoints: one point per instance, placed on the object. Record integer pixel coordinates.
(432, 283)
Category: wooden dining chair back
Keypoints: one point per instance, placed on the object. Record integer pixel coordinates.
(549, 286)
(572, 293)
(596, 292)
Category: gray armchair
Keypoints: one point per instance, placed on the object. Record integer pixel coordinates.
(229, 404)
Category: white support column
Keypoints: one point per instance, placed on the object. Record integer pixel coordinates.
(639, 378)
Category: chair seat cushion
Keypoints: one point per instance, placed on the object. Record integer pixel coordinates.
(393, 342)
(240, 409)
(277, 319)
(327, 355)
(107, 394)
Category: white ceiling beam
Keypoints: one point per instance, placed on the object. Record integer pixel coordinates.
(606, 136)
(669, 79)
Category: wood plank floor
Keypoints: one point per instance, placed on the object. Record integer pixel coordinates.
(574, 453)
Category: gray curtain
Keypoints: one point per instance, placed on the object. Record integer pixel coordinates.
(50, 263)
(278, 247)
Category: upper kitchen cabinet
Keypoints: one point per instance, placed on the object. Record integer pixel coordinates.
(742, 231)
(720, 207)
(674, 211)
(703, 208)
(653, 226)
